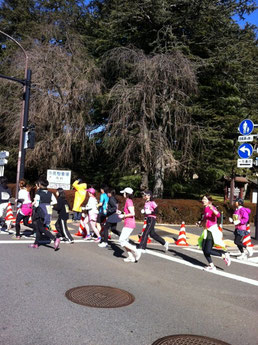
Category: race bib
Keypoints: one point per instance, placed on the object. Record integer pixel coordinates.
(5, 196)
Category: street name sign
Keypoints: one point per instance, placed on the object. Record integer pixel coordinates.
(245, 151)
(246, 138)
(246, 127)
(244, 163)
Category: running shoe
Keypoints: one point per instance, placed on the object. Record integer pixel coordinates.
(250, 251)
(97, 240)
(16, 237)
(129, 259)
(243, 256)
(138, 254)
(56, 244)
(103, 245)
(87, 238)
(227, 259)
(166, 246)
(210, 268)
(35, 246)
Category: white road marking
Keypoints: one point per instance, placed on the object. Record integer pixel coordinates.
(248, 262)
(186, 263)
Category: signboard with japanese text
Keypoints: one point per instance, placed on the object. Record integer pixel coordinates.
(59, 179)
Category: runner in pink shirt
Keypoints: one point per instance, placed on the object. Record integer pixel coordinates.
(129, 225)
(211, 235)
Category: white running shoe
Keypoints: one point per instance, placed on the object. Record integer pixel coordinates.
(250, 251)
(129, 259)
(227, 259)
(166, 246)
(103, 245)
(210, 268)
(243, 256)
(138, 254)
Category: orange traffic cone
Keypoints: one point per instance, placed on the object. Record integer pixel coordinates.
(143, 229)
(247, 238)
(9, 214)
(81, 231)
(181, 241)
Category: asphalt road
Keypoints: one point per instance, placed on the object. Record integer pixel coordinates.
(173, 295)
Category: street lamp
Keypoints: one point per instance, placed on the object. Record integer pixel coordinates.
(24, 113)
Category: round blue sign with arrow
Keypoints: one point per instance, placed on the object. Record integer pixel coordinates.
(246, 127)
(245, 150)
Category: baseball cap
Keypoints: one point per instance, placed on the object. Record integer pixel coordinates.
(91, 190)
(240, 201)
(127, 190)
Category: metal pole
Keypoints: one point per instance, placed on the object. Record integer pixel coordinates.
(25, 122)
(256, 218)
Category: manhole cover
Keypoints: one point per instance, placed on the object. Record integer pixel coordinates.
(183, 339)
(99, 296)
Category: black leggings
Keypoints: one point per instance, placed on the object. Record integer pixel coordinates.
(239, 242)
(150, 230)
(108, 226)
(40, 228)
(25, 219)
(207, 245)
(61, 227)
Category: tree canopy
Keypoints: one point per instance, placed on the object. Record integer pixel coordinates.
(149, 91)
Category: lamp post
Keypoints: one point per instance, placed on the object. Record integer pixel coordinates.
(24, 113)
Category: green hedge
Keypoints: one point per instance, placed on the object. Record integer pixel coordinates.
(171, 211)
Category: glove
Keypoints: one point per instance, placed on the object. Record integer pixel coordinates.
(236, 222)
(142, 211)
(230, 220)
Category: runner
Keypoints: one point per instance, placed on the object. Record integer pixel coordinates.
(102, 205)
(150, 210)
(240, 220)
(211, 235)
(41, 215)
(112, 217)
(25, 209)
(62, 209)
(129, 224)
(91, 217)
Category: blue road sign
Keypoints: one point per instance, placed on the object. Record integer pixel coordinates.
(246, 127)
(245, 150)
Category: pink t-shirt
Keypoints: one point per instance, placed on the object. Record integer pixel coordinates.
(149, 207)
(129, 222)
(209, 217)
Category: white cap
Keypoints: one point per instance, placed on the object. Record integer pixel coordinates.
(127, 190)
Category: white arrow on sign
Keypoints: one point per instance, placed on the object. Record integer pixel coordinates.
(245, 149)
(3, 161)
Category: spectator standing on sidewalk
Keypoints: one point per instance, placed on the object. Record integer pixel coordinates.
(79, 197)
(240, 220)
(25, 208)
(212, 235)
(62, 209)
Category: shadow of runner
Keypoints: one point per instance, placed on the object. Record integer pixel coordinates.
(118, 252)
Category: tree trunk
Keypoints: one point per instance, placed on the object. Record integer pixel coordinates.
(145, 181)
(159, 177)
